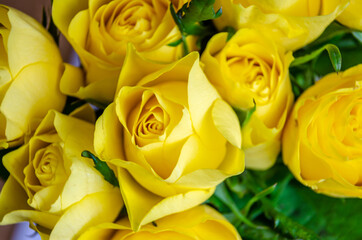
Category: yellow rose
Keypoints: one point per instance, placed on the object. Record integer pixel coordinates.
(51, 185)
(171, 136)
(99, 31)
(351, 16)
(30, 69)
(202, 223)
(251, 67)
(322, 143)
(294, 23)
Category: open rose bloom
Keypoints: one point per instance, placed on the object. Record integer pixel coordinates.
(322, 140)
(100, 31)
(26, 78)
(250, 68)
(52, 186)
(171, 136)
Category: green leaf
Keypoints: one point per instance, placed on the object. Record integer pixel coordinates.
(256, 181)
(351, 57)
(332, 218)
(302, 79)
(358, 36)
(189, 16)
(217, 204)
(249, 233)
(286, 224)
(175, 43)
(335, 57)
(333, 52)
(244, 116)
(200, 10)
(189, 19)
(103, 168)
(291, 205)
(290, 211)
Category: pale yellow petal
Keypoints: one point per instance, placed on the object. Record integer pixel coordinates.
(108, 140)
(293, 32)
(93, 209)
(351, 16)
(63, 12)
(263, 155)
(153, 206)
(12, 197)
(29, 43)
(148, 180)
(14, 208)
(33, 92)
(201, 95)
(70, 130)
(73, 83)
(201, 222)
(232, 164)
(78, 28)
(152, 70)
(94, 5)
(84, 112)
(71, 80)
(83, 180)
(16, 161)
(227, 122)
(43, 219)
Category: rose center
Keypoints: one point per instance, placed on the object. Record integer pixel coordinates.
(251, 73)
(48, 166)
(124, 18)
(151, 122)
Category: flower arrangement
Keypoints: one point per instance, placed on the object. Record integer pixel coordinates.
(186, 119)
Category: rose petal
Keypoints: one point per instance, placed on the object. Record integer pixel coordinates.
(153, 206)
(91, 210)
(107, 141)
(227, 122)
(32, 85)
(29, 43)
(293, 32)
(15, 209)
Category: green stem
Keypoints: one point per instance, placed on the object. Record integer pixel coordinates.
(185, 46)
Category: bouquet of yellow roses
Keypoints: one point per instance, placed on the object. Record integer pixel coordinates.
(185, 119)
